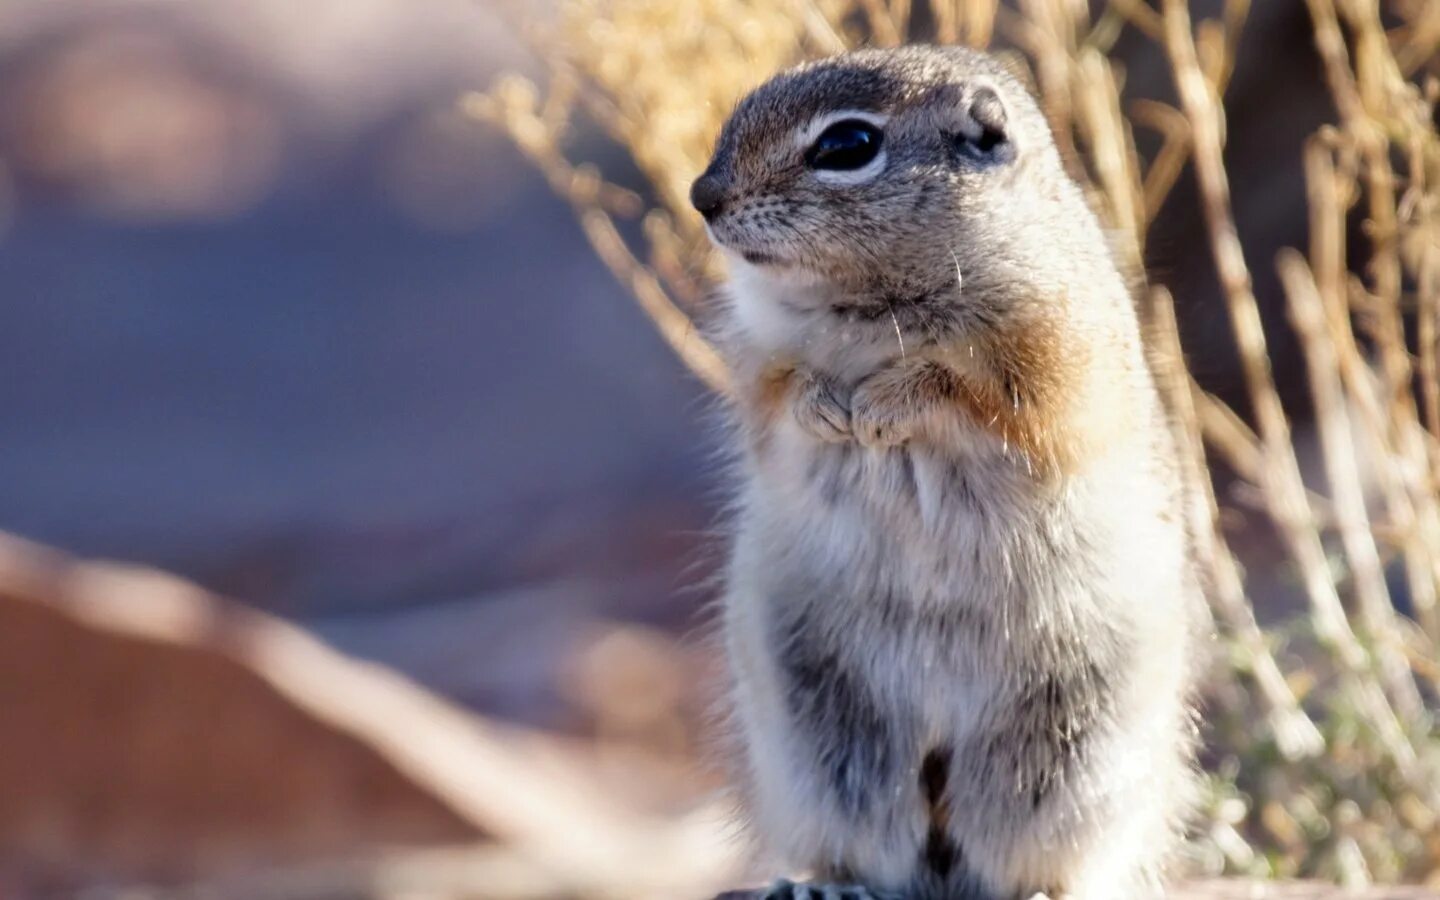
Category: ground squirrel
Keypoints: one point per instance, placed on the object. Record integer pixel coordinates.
(959, 609)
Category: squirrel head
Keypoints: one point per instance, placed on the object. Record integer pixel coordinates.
(895, 179)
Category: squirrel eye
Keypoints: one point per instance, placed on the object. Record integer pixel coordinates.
(846, 145)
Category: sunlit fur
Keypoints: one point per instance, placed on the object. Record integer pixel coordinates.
(960, 614)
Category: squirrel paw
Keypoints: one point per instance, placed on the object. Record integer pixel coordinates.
(820, 411)
(784, 889)
(876, 418)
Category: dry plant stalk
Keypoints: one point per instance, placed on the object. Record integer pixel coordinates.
(1343, 779)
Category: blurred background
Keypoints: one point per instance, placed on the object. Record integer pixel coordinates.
(287, 313)
(277, 318)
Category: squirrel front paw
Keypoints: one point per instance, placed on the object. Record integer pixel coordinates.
(821, 410)
(892, 406)
(879, 417)
(784, 889)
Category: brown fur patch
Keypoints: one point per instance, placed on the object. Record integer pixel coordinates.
(1044, 389)
(767, 396)
(771, 393)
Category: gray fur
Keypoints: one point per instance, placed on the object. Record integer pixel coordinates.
(961, 655)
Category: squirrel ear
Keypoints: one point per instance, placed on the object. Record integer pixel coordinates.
(988, 114)
(976, 123)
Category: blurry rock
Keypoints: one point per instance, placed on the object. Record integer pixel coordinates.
(137, 740)
(154, 732)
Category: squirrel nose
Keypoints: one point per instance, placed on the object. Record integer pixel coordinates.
(707, 195)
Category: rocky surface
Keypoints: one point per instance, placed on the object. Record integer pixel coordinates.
(155, 734)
